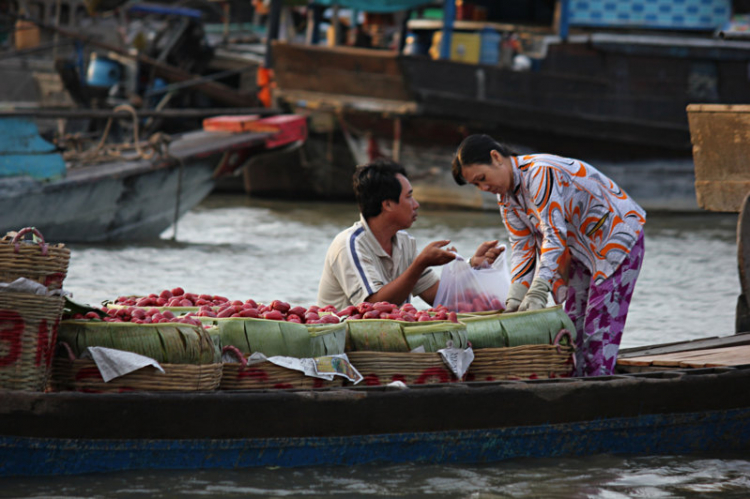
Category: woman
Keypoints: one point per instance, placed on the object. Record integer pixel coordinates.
(573, 231)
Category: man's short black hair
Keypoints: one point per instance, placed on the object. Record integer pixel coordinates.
(376, 182)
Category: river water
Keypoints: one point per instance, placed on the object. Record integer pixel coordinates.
(244, 248)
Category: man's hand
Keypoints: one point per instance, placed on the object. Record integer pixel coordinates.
(433, 254)
(487, 252)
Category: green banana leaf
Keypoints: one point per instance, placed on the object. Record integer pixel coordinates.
(171, 343)
(435, 335)
(281, 338)
(519, 328)
(382, 335)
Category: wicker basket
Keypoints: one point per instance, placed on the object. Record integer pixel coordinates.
(381, 368)
(490, 364)
(267, 375)
(82, 375)
(42, 263)
(28, 333)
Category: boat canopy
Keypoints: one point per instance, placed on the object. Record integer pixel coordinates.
(375, 5)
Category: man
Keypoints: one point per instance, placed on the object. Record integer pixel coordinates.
(375, 259)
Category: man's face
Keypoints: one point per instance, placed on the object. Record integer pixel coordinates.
(405, 212)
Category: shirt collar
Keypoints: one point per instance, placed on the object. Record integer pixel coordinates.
(373, 241)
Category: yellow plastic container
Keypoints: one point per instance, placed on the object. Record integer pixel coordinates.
(465, 47)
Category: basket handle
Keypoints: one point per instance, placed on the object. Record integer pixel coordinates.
(236, 352)
(562, 334)
(18, 237)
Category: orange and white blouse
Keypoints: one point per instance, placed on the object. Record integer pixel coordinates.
(563, 208)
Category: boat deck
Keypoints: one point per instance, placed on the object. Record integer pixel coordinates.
(728, 351)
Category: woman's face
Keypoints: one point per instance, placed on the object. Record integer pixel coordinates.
(496, 177)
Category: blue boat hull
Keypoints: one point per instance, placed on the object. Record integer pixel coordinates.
(653, 434)
(649, 413)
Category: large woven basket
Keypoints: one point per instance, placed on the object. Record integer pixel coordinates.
(267, 375)
(28, 331)
(82, 375)
(39, 262)
(490, 364)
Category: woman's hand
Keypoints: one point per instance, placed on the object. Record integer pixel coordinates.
(487, 252)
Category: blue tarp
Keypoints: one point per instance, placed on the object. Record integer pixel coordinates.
(375, 5)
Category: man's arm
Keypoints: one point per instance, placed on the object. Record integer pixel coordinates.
(398, 290)
(430, 293)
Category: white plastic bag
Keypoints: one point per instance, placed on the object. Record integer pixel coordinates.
(464, 289)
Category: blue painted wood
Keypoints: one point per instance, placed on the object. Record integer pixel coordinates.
(651, 434)
(24, 153)
(449, 14)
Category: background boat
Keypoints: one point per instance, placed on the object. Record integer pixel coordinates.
(105, 194)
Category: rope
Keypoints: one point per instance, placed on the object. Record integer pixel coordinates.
(157, 144)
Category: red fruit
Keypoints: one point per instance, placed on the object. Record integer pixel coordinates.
(406, 316)
(298, 311)
(220, 299)
(138, 313)
(383, 306)
(350, 310)
(363, 307)
(497, 304)
(168, 314)
(186, 303)
(161, 301)
(355, 317)
(237, 302)
(281, 306)
(293, 318)
(329, 319)
(252, 303)
(372, 314)
(250, 312)
(313, 308)
(190, 296)
(453, 317)
(144, 302)
(424, 318)
(392, 317)
(152, 311)
(166, 294)
(328, 308)
(311, 316)
(273, 315)
(92, 315)
(201, 301)
(227, 312)
(206, 297)
(178, 291)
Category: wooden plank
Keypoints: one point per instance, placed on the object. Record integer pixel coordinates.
(729, 356)
(684, 346)
(339, 70)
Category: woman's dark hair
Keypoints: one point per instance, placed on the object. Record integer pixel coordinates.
(376, 182)
(476, 149)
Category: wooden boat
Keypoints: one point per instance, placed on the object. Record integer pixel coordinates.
(123, 198)
(600, 92)
(672, 412)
